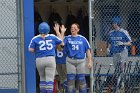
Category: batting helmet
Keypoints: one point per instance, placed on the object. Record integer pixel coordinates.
(44, 28)
(116, 20)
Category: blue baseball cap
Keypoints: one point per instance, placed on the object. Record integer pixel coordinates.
(116, 20)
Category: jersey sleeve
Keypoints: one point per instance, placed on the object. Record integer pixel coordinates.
(127, 36)
(32, 44)
(58, 40)
(87, 45)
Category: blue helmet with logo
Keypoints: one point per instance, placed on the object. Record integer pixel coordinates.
(44, 28)
(116, 20)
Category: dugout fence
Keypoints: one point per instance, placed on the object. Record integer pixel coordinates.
(105, 77)
(10, 46)
(100, 14)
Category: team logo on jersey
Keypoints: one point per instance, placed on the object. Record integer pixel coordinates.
(75, 42)
(116, 38)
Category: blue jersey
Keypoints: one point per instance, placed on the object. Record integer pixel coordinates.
(76, 46)
(117, 36)
(44, 47)
(60, 56)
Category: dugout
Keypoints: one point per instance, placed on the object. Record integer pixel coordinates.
(64, 12)
(94, 17)
(17, 24)
(96, 12)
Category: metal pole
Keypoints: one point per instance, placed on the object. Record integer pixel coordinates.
(90, 40)
(19, 45)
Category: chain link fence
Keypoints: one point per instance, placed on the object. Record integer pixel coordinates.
(106, 78)
(9, 58)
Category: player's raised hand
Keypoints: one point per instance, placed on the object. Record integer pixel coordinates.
(63, 29)
(56, 27)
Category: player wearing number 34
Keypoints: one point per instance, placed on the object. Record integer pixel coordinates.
(44, 45)
(77, 48)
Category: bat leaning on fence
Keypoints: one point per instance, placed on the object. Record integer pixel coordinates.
(119, 78)
(127, 77)
(105, 78)
(111, 81)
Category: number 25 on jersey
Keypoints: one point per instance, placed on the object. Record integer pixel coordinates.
(45, 45)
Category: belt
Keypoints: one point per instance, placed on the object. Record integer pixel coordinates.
(75, 58)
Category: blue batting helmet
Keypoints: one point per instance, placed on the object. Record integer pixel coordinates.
(44, 28)
(116, 20)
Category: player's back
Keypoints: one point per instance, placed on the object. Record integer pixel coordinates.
(61, 56)
(45, 46)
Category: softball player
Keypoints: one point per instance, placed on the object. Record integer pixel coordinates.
(118, 40)
(77, 48)
(61, 66)
(44, 45)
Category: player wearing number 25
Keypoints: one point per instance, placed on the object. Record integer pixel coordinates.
(77, 49)
(44, 45)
